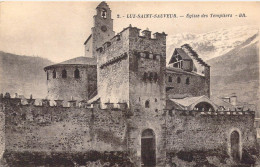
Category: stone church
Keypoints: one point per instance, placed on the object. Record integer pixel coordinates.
(122, 97)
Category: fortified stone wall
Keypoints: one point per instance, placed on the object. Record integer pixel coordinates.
(140, 122)
(193, 133)
(147, 70)
(65, 88)
(189, 84)
(113, 65)
(45, 128)
(178, 134)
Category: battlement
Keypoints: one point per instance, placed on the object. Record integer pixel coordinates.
(211, 113)
(17, 101)
(131, 32)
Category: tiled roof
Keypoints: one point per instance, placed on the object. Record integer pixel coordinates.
(81, 60)
(76, 61)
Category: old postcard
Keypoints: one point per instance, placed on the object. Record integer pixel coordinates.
(129, 84)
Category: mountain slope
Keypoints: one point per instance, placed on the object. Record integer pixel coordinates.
(23, 75)
(237, 72)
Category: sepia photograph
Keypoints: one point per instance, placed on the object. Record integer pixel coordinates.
(129, 84)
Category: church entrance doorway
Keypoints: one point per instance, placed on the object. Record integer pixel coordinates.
(234, 139)
(148, 151)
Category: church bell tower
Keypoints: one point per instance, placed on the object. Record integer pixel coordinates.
(103, 27)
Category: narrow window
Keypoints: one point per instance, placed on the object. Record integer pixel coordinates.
(47, 75)
(154, 57)
(188, 81)
(155, 76)
(170, 79)
(178, 80)
(147, 104)
(64, 74)
(147, 55)
(145, 76)
(155, 100)
(151, 76)
(76, 73)
(54, 74)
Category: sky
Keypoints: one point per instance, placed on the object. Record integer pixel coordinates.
(57, 30)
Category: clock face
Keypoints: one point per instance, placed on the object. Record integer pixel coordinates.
(104, 28)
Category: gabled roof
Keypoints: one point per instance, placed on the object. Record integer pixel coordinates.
(181, 52)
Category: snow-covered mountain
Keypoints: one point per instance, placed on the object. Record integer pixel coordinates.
(212, 44)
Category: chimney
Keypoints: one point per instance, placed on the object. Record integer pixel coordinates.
(233, 99)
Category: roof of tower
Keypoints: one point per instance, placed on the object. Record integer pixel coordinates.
(76, 61)
(102, 4)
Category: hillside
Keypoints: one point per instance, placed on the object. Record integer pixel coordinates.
(23, 75)
(237, 72)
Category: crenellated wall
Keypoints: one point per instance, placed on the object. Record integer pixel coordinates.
(208, 134)
(113, 65)
(180, 136)
(122, 62)
(147, 71)
(46, 128)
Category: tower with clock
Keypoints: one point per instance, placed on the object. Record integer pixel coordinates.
(102, 30)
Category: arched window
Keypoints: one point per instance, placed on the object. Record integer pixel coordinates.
(235, 148)
(188, 81)
(76, 73)
(145, 76)
(64, 74)
(151, 76)
(104, 13)
(169, 79)
(155, 76)
(178, 80)
(147, 104)
(154, 57)
(54, 74)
